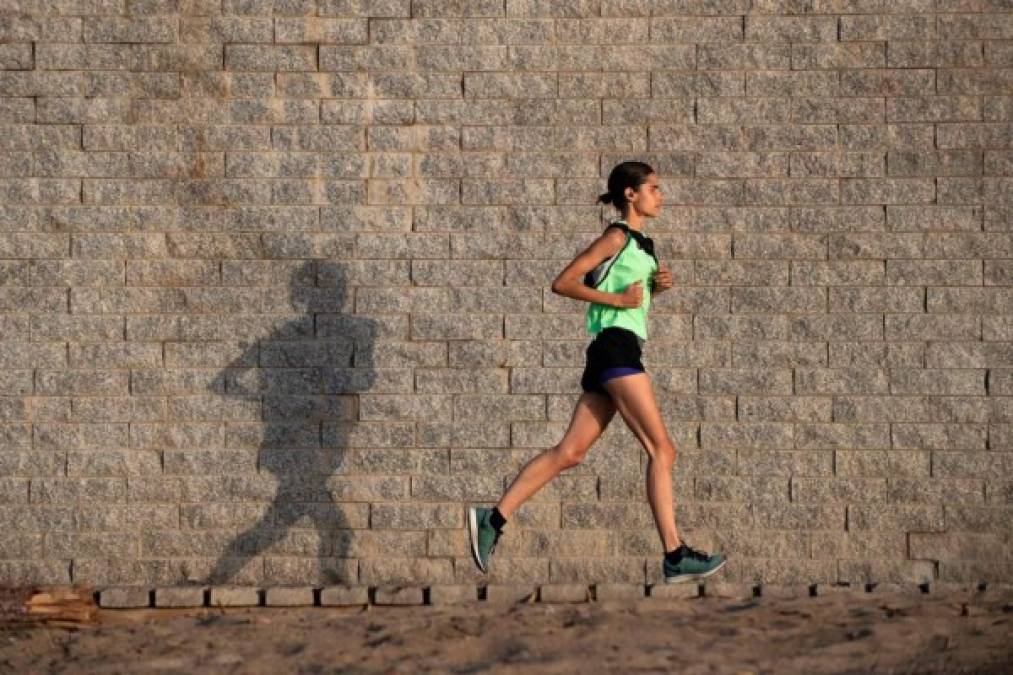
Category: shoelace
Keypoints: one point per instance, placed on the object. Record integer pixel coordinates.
(693, 553)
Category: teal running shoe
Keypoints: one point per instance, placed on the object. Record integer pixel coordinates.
(483, 535)
(693, 565)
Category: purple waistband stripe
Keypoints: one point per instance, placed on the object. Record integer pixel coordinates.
(609, 373)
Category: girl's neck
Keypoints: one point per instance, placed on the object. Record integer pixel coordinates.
(634, 220)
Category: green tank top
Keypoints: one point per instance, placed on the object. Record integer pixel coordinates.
(636, 260)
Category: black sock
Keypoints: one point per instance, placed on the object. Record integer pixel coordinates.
(496, 519)
(675, 555)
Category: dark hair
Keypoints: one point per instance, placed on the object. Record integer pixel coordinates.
(624, 175)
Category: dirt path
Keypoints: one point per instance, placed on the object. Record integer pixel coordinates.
(842, 633)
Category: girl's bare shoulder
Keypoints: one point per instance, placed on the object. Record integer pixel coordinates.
(611, 240)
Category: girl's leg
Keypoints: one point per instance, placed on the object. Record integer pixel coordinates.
(634, 398)
(592, 414)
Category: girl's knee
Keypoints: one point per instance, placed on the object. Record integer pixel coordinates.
(567, 456)
(664, 453)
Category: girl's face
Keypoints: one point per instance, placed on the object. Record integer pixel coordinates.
(646, 200)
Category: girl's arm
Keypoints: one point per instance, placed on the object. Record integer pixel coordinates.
(570, 282)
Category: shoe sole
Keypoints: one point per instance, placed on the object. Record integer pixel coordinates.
(473, 534)
(689, 577)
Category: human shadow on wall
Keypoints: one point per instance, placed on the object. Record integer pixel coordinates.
(305, 374)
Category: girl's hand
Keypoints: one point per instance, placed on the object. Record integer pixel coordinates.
(661, 280)
(632, 296)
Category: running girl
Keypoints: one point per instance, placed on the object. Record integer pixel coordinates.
(611, 275)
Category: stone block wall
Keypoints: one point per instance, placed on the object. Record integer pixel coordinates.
(275, 305)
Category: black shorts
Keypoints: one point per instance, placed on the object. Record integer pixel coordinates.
(614, 352)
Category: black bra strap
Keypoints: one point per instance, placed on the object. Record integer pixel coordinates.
(645, 242)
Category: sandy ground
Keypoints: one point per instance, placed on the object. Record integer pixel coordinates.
(880, 632)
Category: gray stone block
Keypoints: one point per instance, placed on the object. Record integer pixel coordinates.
(998, 591)
(344, 596)
(687, 589)
(946, 587)
(179, 596)
(895, 587)
(289, 597)
(452, 594)
(784, 591)
(727, 589)
(564, 593)
(234, 596)
(834, 589)
(509, 594)
(125, 597)
(398, 595)
(614, 591)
